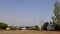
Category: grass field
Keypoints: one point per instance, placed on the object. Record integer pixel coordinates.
(28, 32)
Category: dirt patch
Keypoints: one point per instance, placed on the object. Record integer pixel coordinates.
(28, 32)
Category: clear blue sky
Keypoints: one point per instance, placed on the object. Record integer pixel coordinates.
(26, 12)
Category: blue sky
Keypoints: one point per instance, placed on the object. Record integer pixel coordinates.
(26, 12)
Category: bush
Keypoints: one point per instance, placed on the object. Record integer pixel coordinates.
(3, 25)
(37, 28)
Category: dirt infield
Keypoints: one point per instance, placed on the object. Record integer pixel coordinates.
(28, 32)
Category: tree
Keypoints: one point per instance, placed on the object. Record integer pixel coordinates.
(3, 25)
(57, 12)
(44, 27)
(37, 28)
(57, 27)
(56, 18)
(27, 27)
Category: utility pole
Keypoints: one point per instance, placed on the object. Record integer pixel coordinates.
(13, 21)
(34, 20)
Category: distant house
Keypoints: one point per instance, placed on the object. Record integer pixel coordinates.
(31, 28)
(7, 28)
(27, 28)
(13, 27)
(23, 27)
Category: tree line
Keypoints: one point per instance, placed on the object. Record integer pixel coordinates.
(55, 24)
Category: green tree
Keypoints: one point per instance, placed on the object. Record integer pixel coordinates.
(37, 28)
(44, 27)
(3, 25)
(56, 18)
(57, 12)
(57, 27)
